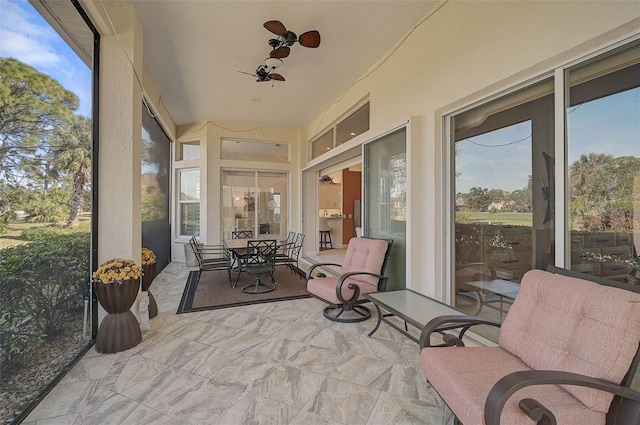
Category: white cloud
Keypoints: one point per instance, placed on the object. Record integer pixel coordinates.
(22, 39)
(27, 50)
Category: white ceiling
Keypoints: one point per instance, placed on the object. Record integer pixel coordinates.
(193, 51)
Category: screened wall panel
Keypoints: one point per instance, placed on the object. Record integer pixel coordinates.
(156, 165)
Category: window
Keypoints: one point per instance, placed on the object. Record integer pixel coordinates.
(245, 150)
(322, 144)
(255, 201)
(189, 150)
(505, 173)
(603, 158)
(352, 125)
(189, 202)
(503, 160)
(355, 124)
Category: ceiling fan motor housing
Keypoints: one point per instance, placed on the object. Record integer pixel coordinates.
(289, 37)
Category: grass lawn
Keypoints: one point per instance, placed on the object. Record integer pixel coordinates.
(513, 218)
(14, 236)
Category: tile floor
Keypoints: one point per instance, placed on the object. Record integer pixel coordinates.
(276, 363)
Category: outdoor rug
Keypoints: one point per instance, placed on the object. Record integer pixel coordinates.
(210, 290)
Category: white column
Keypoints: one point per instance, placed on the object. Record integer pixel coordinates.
(120, 143)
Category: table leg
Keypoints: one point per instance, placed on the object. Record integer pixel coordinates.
(379, 320)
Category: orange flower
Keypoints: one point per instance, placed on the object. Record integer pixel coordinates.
(117, 270)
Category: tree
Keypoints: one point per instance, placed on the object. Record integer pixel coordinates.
(523, 198)
(31, 104)
(478, 199)
(602, 191)
(72, 157)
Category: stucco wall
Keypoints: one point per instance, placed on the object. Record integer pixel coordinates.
(462, 53)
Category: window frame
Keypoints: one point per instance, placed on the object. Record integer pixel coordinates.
(181, 150)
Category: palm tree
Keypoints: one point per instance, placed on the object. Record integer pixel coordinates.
(72, 156)
(582, 174)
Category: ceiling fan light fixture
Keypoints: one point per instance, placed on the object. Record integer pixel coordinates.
(273, 63)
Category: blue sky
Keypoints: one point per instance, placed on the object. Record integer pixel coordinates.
(26, 36)
(609, 125)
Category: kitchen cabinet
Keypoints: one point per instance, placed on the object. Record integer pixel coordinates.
(330, 196)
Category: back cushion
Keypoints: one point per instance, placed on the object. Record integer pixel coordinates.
(365, 255)
(564, 323)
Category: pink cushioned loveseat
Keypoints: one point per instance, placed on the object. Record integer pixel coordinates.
(567, 354)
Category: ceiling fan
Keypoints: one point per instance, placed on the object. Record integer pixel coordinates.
(281, 46)
(265, 73)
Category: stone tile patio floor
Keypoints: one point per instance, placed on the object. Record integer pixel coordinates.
(276, 363)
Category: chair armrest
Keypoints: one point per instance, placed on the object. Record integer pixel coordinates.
(509, 384)
(449, 322)
(312, 268)
(353, 286)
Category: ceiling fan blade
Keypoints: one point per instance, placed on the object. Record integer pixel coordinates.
(275, 27)
(280, 52)
(277, 77)
(310, 39)
(248, 73)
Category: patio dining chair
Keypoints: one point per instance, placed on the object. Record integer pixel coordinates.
(257, 262)
(361, 272)
(289, 255)
(211, 257)
(241, 234)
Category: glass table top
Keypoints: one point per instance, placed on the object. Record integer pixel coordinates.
(412, 306)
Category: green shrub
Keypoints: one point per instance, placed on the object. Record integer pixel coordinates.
(46, 232)
(16, 339)
(41, 233)
(42, 285)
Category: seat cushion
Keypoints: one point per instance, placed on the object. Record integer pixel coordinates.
(564, 323)
(464, 376)
(325, 288)
(365, 255)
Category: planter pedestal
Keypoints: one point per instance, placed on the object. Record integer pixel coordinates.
(148, 274)
(120, 330)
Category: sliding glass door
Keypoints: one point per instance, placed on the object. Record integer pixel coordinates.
(507, 165)
(504, 174)
(385, 197)
(603, 158)
(255, 201)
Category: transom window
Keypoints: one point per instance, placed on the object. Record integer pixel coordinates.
(352, 125)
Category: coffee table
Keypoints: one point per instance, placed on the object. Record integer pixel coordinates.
(411, 307)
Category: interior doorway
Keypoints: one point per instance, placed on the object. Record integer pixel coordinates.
(332, 203)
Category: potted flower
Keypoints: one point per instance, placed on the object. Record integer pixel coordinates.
(148, 274)
(116, 284)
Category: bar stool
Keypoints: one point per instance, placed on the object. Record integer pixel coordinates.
(325, 234)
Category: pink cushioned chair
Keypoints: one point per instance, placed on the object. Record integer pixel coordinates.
(568, 352)
(362, 271)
